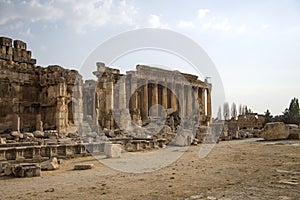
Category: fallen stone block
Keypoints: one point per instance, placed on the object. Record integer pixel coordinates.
(83, 166)
(8, 170)
(294, 134)
(112, 150)
(51, 164)
(38, 134)
(2, 140)
(26, 170)
(275, 131)
(29, 135)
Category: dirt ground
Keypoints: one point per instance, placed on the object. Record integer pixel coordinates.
(240, 169)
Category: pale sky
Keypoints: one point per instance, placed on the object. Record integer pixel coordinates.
(254, 45)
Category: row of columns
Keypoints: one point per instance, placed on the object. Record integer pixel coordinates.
(142, 94)
(183, 97)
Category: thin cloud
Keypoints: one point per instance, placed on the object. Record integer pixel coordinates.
(219, 26)
(185, 24)
(80, 15)
(155, 22)
(28, 11)
(202, 13)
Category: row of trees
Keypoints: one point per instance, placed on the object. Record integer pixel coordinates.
(290, 115)
(229, 113)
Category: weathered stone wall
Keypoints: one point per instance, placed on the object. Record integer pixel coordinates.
(28, 91)
(251, 121)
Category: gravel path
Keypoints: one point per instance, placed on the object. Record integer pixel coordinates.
(240, 169)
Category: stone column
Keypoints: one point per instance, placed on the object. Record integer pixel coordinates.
(144, 110)
(39, 123)
(164, 97)
(122, 94)
(109, 96)
(174, 98)
(203, 103)
(182, 101)
(196, 100)
(209, 109)
(134, 94)
(154, 98)
(189, 100)
(109, 104)
(16, 123)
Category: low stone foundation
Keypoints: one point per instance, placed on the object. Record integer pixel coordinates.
(45, 152)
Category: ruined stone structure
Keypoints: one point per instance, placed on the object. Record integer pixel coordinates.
(49, 111)
(33, 97)
(139, 95)
(251, 121)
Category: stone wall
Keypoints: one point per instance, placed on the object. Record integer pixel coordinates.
(32, 95)
(251, 121)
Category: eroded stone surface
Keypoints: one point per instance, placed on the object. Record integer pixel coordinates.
(274, 131)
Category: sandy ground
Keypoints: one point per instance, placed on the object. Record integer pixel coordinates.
(240, 169)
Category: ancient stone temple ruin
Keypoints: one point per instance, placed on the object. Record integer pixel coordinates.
(147, 92)
(34, 97)
(51, 112)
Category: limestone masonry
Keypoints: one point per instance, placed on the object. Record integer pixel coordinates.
(35, 98)
(51, 112)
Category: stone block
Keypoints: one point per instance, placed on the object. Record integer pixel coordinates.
(29, 54)
(19, 44)
(5, 41)
(9, 50)
(112, 150)
(51, 164)
(83, 166)
(275, 131)
(7, 170)
(26, 170)
(2, 140)
(3, 49)
(32, 61)
(295, 134)
(38, 134)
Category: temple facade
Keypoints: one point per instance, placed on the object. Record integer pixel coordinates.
(149, 92)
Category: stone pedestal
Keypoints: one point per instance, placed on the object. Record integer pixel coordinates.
(112, 150)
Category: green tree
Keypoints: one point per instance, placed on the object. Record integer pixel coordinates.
(292, 114)
(268, 117)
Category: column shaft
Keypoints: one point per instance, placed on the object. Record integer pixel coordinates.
(144, 110)
(154, 99)
(189, 100)
(209, 109)
(173, 98)
(164, 97)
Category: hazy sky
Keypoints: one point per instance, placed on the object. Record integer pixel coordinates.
(255, 45)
